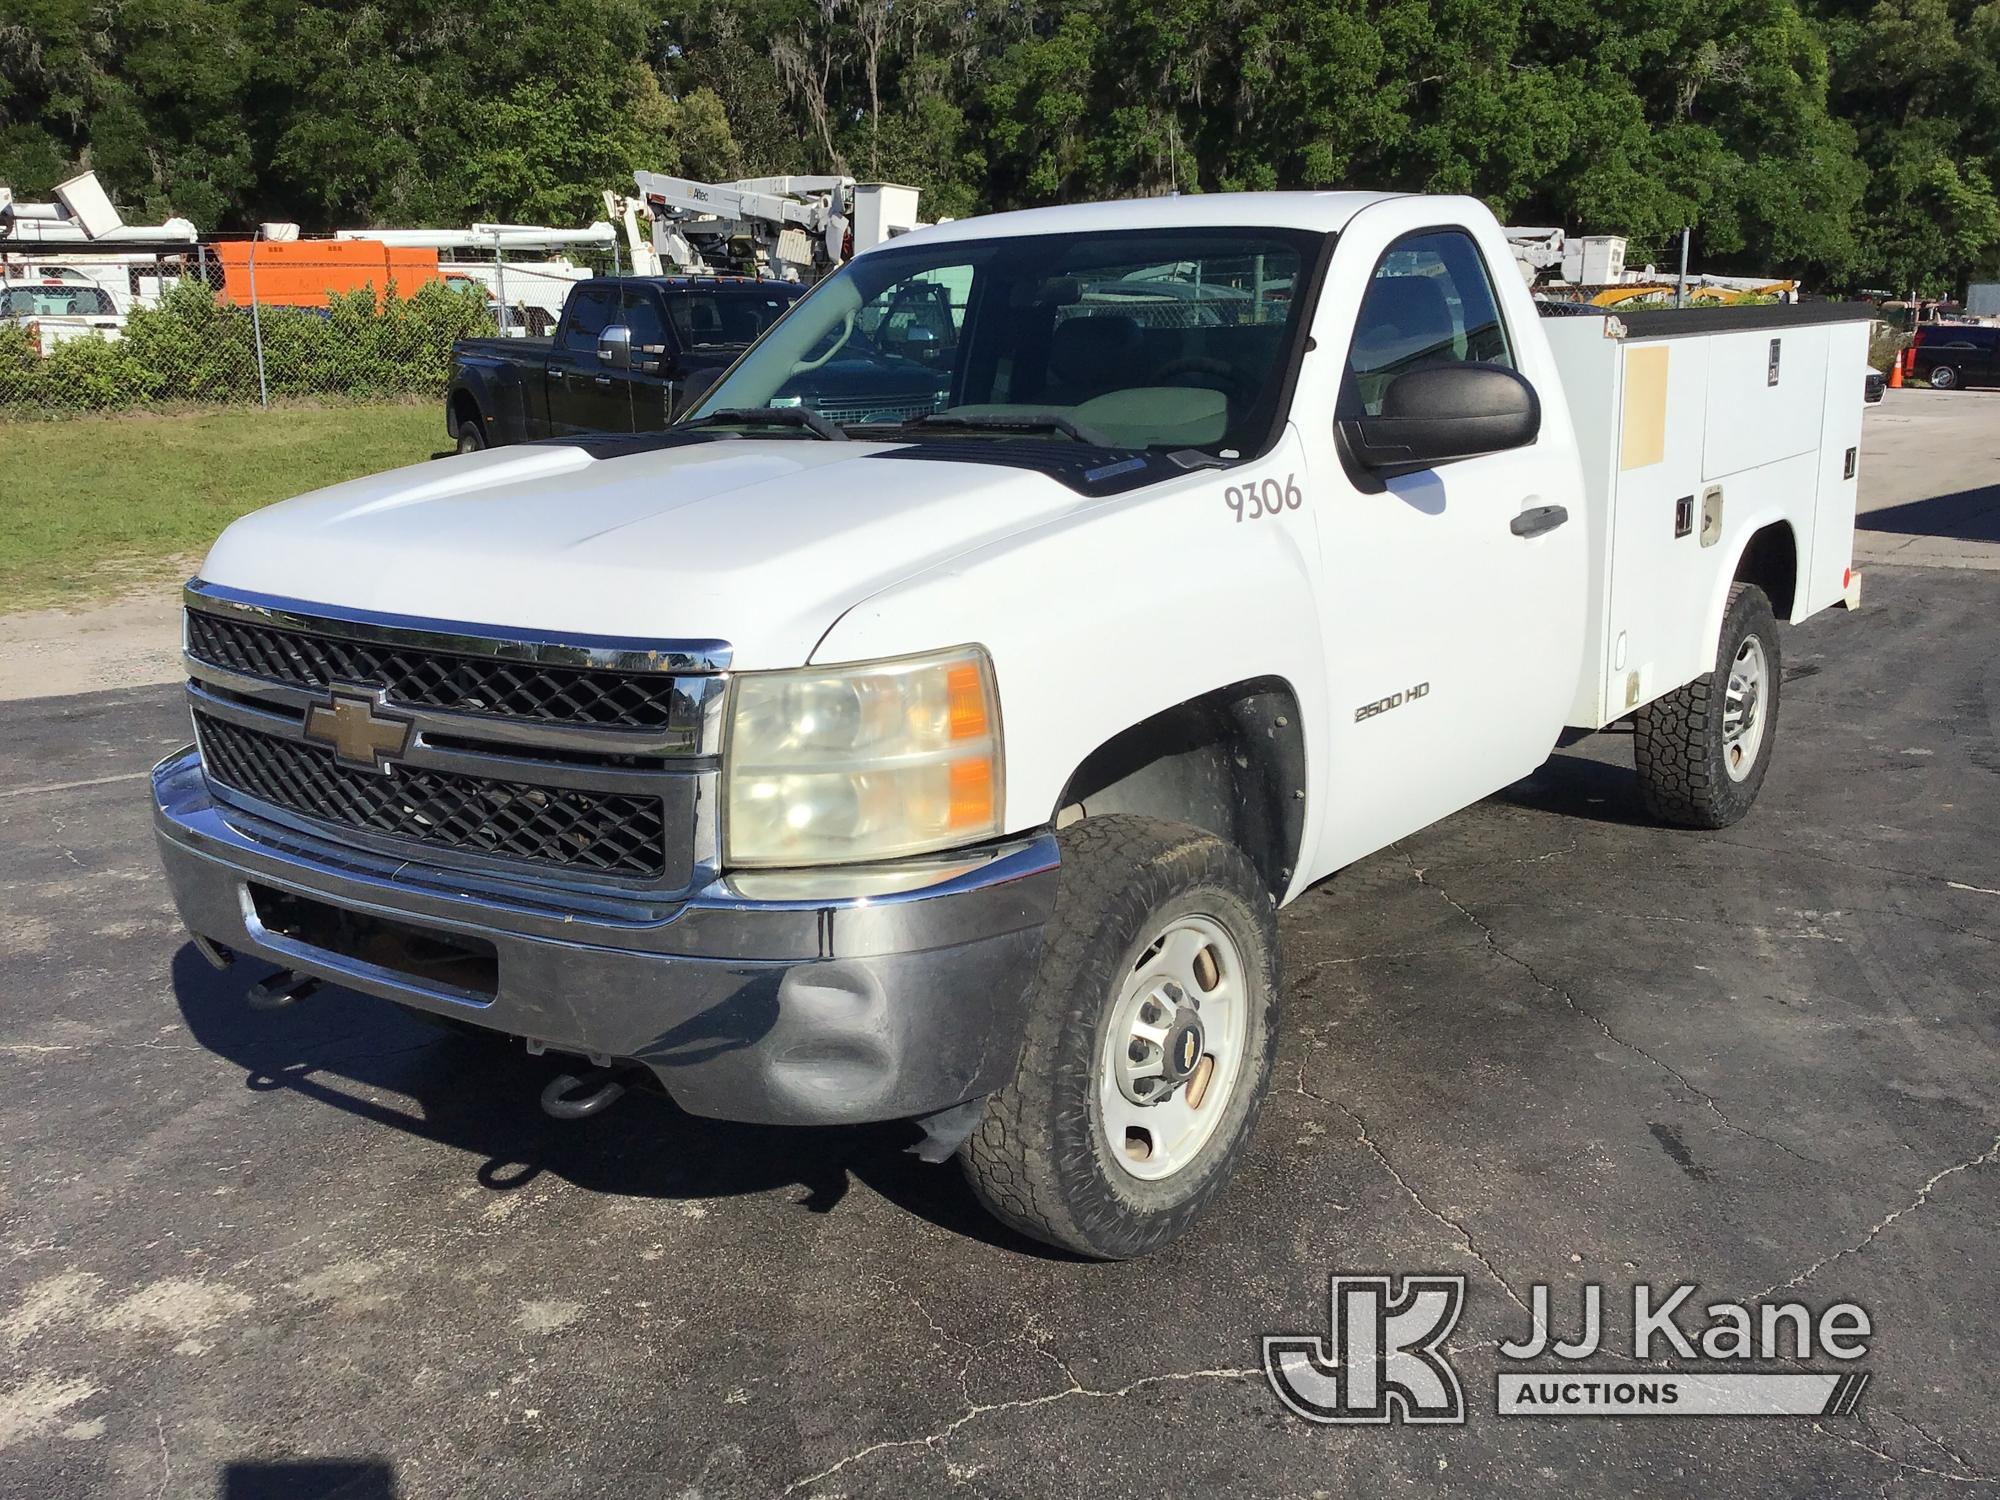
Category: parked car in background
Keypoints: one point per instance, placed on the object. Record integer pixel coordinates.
(628, 354)
(1955, 354)
(54, 312)
(109, 278)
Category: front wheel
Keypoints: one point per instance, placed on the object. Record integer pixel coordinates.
(1702, 750)
(1943, 378)
(471, 436)
(1152, 1026)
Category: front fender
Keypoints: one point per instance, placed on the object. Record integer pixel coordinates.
(1104, 615)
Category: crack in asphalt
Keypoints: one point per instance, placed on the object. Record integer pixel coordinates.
(62, 833)
(1935, 1441)
(38, 1048)
(932, 1440)
(1361, 958)
(1676, 919)
(1850, 863)
(1904, 1465)
(1984, 1158)
(1563, 994)
(1466, 1242)
(1911, 916)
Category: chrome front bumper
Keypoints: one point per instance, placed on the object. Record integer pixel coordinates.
(819, 1008)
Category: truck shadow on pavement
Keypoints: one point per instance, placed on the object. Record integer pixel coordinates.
(1966, 516)
(1574, 783)
(311, 1479)
(478, 1094)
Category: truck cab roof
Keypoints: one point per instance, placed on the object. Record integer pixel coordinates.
(1326, 212)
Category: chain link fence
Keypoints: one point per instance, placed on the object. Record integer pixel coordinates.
(257, 322)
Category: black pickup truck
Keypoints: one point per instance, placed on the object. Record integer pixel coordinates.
(628, 355)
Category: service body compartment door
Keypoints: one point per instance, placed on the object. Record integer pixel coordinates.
(1766, 393)
(1825, 580)
(1659, 565)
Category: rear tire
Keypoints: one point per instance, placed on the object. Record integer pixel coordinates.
(1702, 750)
(471, 436)
(1944, 378)
(1152, 1017)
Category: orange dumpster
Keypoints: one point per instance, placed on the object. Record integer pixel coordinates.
(305, 273)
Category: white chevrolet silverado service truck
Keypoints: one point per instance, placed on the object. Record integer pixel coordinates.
(930, 725)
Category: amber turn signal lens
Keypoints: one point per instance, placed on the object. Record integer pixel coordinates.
(965, 686)
(972, 793)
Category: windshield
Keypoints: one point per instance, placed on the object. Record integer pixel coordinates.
(724, 320)
(55, 302)
(1164, 339)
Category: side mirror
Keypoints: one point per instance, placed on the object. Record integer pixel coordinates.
(614, 347)
(1434, 415)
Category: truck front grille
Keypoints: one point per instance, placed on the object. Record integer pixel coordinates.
(587, 830)
(423, 677)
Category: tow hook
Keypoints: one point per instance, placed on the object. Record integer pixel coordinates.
(569, 1097)
(286, 987)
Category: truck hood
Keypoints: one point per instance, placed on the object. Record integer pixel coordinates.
(762, 543)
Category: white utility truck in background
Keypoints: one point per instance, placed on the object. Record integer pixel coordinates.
(951, 764)
(778, 228)
(526, 296)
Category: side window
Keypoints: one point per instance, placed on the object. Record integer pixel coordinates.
(587, 314)
(1429, 302)
(640, 312)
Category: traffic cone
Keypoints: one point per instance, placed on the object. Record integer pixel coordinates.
(1896, 373)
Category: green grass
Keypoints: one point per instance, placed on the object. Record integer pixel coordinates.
(91, 505)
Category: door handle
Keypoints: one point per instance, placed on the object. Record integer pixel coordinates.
(555, 374)
(1538, 520)
(602, 379)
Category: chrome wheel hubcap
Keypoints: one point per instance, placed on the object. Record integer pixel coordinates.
(1173, 1048)
(1743, 708)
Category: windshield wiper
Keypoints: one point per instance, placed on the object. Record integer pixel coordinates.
(771, 416)
(1029, 421)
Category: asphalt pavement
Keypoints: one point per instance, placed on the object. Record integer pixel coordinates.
(334, 1251)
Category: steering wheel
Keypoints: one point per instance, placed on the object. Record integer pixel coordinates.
(1234, 384)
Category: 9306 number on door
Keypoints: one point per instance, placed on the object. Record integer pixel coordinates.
(1253, 501)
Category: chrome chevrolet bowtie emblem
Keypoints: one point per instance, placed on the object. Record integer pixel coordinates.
(355, 728)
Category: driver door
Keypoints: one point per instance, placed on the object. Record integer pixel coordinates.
(1454, 613)
(583, 396)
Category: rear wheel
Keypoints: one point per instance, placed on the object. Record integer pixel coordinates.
(1702, 750)
(1153, 1022)
(471, 436)
(1943, 378)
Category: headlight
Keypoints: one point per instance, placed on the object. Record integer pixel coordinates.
(866, 762)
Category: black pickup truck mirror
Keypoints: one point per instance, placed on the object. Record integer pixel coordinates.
(614, 347)
(1443, 412)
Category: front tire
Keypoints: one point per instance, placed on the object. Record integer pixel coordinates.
(471, 436)
(1944, 378)
(1152, 1027)
(1702, 750)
